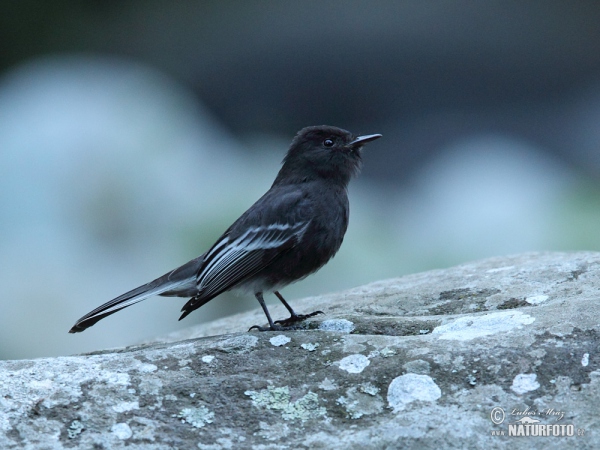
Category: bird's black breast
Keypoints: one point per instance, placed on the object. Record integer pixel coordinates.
(327, 211)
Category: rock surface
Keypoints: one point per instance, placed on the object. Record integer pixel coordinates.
(442, 359)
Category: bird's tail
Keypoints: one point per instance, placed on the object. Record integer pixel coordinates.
(179, 282)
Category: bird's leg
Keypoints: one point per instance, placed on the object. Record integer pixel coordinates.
(272, 326)
(293, 316)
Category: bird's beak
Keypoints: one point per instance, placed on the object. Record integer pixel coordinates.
(360, 140)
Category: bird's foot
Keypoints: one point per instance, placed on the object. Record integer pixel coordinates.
(297, 318)
(273, 328)
(286, 324)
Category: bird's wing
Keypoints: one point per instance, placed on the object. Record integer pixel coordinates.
(232, 260)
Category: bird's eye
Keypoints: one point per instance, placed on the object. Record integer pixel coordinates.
(328, 143)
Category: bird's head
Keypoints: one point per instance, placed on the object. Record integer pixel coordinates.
(323, 152)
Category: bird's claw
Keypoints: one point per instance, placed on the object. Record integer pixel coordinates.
(259, 328)
(269, 328)
(297, 318)
(286, 324)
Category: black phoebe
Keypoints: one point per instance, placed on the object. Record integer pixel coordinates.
(289, 233)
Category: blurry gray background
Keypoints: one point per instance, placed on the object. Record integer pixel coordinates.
(132, 133)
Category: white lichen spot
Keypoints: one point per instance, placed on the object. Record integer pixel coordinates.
(237, 344)
(386, 352)
(150, 386)
(585, 359)
(368, 388)
(471, 327)
(341, 325)
(327, 385)
(75, 429)
(354, 363)
(147, 368)
(278, 398)
(274, 432)
(270, 398)
(41, 385)
(196, 417)
(525, 382)
(222, 443)
(121, 431)
(4, 422)
(357, 404)
(126, 406)
(536, 299)
(121, 379)
(310, 346)
(279, 340)
(207, 359)
(472, 379)
(409, 388)
(500, 269)
(350, 407)
(145, 429)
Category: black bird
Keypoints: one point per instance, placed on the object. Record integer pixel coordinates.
(290, 232)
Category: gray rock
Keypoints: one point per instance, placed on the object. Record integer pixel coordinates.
(443, 359)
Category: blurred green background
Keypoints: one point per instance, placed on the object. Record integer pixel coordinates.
(132, 133)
